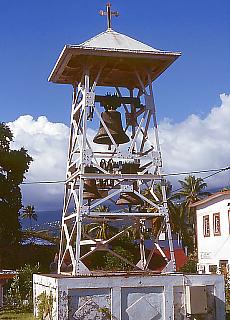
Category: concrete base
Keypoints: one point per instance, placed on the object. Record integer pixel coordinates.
(134, 296)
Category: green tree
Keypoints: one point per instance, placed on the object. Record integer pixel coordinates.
(20, 290)
(192, 190)
(180, 225)
(113, 263)
(177, 213)
(158, 199)
(13, 165)
(157, 190)
(102, 229)
(191, 264)
(28, 212)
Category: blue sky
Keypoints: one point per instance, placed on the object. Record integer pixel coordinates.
(34, 32)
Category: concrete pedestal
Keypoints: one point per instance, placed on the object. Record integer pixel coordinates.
(123, 296)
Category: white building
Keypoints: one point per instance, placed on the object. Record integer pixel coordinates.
(213, 233)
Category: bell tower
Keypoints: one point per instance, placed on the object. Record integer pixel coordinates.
(114, 157)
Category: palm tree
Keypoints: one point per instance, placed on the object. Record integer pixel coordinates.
(177, 213)
(192, 190)
(102, 229)
(157, 190)
(28, 212)
(180, 225)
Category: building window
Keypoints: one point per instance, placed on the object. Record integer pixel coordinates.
(206, 226)
(223, 265)
(216, 224)
(213, 268)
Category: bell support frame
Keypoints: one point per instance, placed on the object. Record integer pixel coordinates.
(144, 148)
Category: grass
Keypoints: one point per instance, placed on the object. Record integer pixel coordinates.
(15, 315)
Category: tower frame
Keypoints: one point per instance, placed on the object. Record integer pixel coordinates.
(82, 154)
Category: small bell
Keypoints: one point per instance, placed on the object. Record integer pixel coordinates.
(130, 198)
(90, 190)
(112, 119)
(90, 186)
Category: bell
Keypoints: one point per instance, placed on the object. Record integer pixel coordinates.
(112, 119)
(130, 198)
(130, 167)
(90, 190)
(90, 187)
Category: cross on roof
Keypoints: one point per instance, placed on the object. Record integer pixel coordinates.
(109, 14)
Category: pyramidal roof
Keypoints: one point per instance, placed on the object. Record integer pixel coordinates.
(113, 40)
(121, 57)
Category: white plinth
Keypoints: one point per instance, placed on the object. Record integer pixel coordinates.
(122, 296)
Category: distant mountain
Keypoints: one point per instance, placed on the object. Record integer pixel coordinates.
(50, 219)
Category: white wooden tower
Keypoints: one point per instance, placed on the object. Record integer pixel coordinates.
(112, 77)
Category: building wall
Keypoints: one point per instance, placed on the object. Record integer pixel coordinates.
(124, 296)
(213, 248)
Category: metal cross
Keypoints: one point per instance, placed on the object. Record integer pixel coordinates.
(109, 14)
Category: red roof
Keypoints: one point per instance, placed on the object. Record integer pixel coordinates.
(158, 262)
(7, 274)
(180, 257)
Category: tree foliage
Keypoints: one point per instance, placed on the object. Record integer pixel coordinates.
(28, 212)
(113, 263)
(182, 217)
(191, 264)
(20, 289)
(192, 190)
(13, 165)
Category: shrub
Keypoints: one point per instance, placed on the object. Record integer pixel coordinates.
(191, 264)
(20, 290)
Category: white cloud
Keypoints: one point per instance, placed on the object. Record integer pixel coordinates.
(197, 144)
(193, 144)
(46, 142)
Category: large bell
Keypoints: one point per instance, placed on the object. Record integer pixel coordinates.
(90, 187)
(112, 119)
(90, 190)
(130, 198)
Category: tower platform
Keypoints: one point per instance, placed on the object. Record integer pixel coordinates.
(131, 296)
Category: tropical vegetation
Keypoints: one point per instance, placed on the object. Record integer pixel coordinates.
(28, 212)
(13, 166)
(192, 189)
